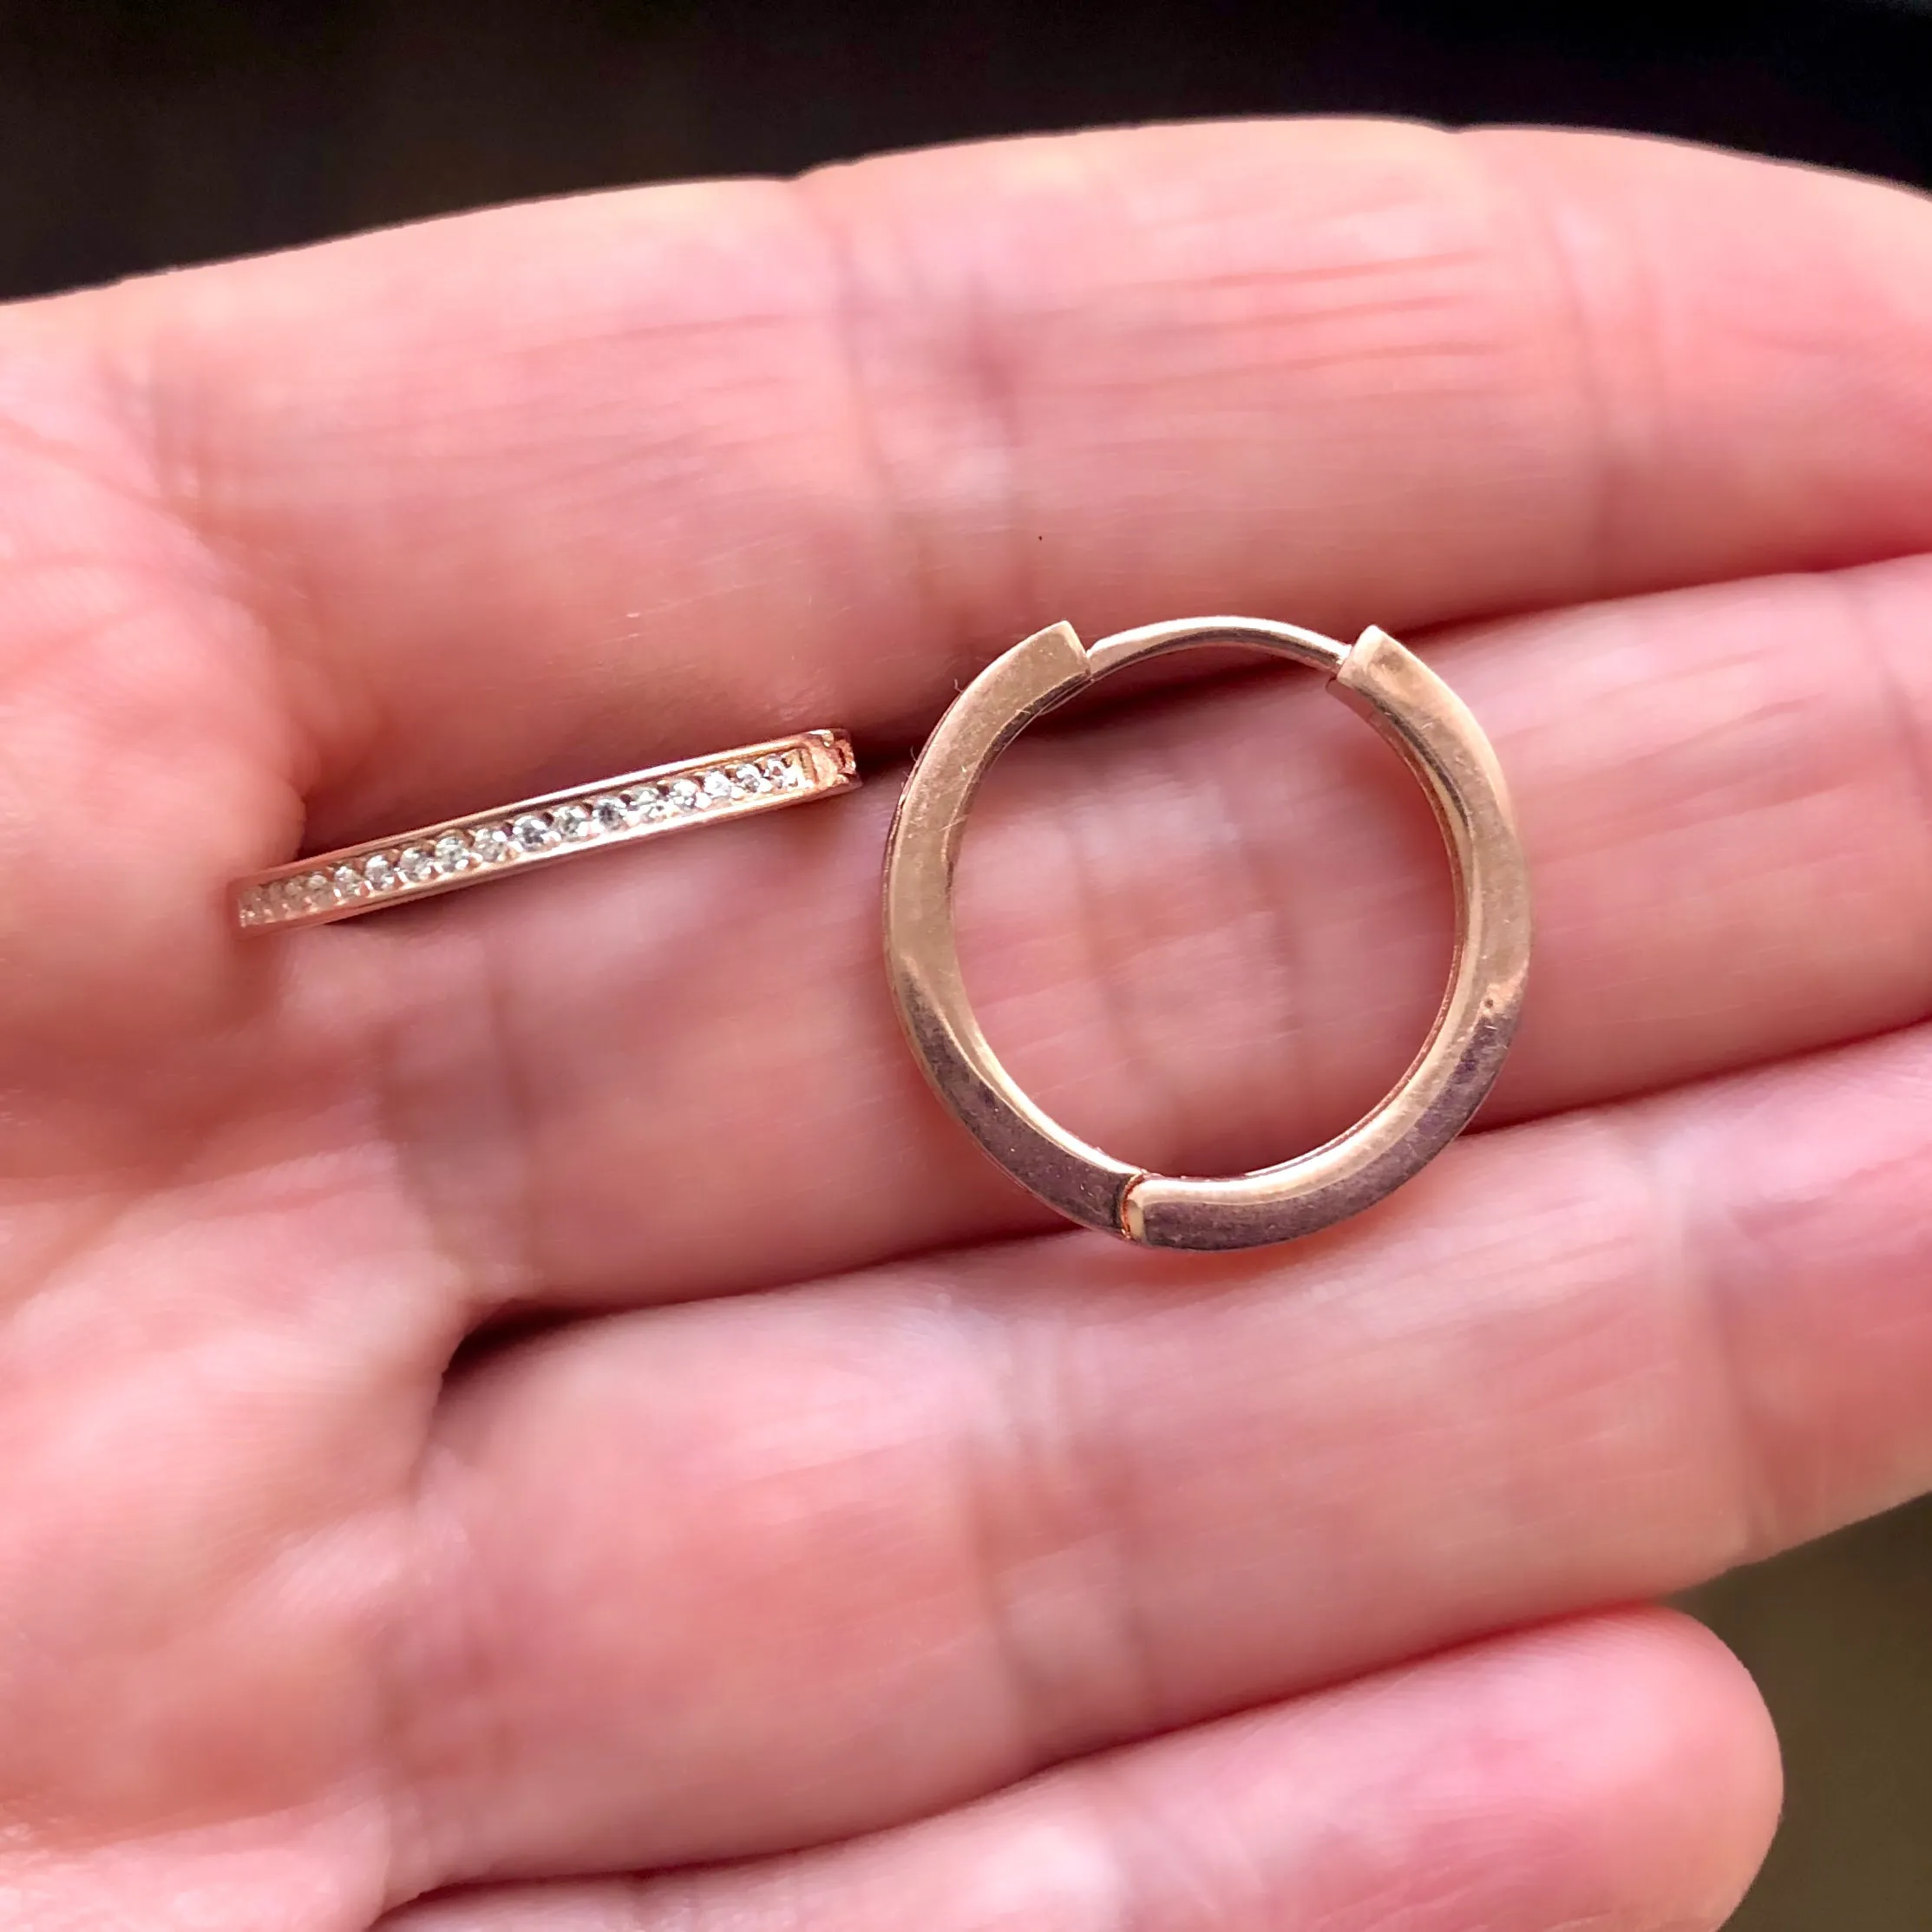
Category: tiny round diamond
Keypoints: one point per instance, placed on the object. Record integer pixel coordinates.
(248, 906)
(646, 802)
(784, 772)
(416, 866)
(349, 883)
(319, 890)
(683, 795)
(535, 832)
(380, 871)
(749, 778)
(453, 852)
(573, 821)
(719, 789)
(491, 844)
(291, 897)
(610, 813)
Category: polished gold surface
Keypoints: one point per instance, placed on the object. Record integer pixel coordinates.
(1434, 733)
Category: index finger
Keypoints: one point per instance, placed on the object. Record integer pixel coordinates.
(531, 495)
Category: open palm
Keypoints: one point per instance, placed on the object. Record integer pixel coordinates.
(527, 1400)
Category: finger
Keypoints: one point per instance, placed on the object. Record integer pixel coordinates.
(551, 490)
(1205, 933)
(370, 523)
(751, 1574)
(1620, 1772)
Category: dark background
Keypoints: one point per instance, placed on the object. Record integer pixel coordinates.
(135, 134)
(142, 134)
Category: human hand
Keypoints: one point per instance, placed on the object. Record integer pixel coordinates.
(818, 1517)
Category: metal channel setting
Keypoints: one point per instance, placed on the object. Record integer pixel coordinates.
(482, 846)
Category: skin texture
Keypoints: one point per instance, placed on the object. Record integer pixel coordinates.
(521, 1412)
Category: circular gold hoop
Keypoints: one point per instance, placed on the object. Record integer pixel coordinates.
(1443, 744)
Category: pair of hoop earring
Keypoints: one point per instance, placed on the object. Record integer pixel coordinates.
(1406, 702)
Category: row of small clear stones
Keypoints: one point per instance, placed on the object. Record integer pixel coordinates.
(388, 874)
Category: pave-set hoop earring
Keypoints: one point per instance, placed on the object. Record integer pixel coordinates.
(467, 851)
(1435, 733)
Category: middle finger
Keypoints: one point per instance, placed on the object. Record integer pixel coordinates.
(1204, 931)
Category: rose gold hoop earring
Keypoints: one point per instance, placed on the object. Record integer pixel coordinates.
(459, 852)
(1432, 729)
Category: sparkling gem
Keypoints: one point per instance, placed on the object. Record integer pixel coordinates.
(749, 778)
(719, 789)
(416, 866)
(535, 832)
(646, 802)
(291, 897)
(380, 871)
(453, 852)
(573, 821)
(491, 844)
(610, 813)
(349, 883)
(319, 891)
(683, 795)
(784, 772)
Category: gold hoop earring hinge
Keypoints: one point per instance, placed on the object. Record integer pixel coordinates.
(1443, 744)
